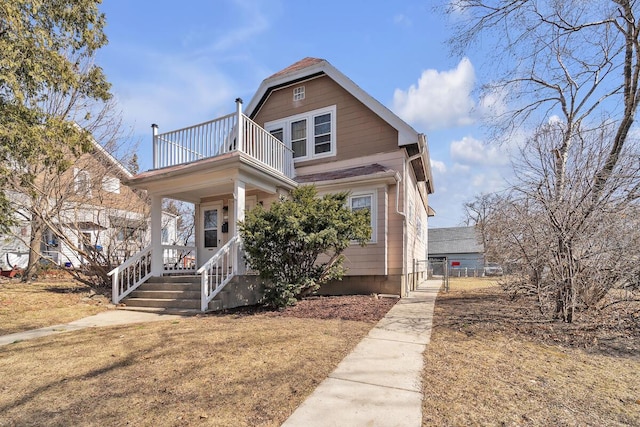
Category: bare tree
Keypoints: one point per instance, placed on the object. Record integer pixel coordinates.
(478, 212)
(71, 198)
(575, 64)
(186, 220)
(565, 249)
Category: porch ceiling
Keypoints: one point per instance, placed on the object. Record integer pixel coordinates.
(210, 177)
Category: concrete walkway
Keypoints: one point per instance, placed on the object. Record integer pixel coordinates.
(379, 382)
(106, 318)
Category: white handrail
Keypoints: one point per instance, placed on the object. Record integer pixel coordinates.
(218, 271)
(129, 275)
(196, 142)
(261, 145)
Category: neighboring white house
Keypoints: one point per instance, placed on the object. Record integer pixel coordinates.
(99, 215)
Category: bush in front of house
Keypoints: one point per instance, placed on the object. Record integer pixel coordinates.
(297, 244)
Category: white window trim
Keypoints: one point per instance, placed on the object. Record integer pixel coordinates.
(82, 178)
(374, 210)
(111, 184)
(298, 93)
(285, 124)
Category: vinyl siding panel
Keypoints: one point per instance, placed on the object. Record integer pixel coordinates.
(358, 129)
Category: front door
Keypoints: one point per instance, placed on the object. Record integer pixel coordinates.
(211, 233)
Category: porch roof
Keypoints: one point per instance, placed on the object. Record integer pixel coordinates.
(359, 173)
(209, 177)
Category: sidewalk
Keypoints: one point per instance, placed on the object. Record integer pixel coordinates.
(106, 318)
(379, 382)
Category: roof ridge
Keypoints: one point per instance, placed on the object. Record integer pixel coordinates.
(296, 66)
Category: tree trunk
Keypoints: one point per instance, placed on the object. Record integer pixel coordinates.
(35, 243)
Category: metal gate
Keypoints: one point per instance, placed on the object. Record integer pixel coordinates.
(437, 267)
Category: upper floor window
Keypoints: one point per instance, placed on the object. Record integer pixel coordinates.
(310, 135)
(111, 184)
(82, 182)
(298, 93)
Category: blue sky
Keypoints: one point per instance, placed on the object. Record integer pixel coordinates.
(178, 64)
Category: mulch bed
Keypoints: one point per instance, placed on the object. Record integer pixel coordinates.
(361, 308)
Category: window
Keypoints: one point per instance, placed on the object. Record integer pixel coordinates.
(322, 133)
(211, 228)
(298, 93)
(310, 135)
(419, 227)
(111, 184)
(361, 201)
(82, 182)
(129, 234)
(299, 138)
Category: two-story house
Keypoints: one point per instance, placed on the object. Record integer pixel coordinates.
(86, 215)
(307, 124)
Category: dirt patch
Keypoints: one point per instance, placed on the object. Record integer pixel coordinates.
(495, 360)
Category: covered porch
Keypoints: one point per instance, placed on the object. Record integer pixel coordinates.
(221, 171)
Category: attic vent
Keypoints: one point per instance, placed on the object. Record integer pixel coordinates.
(298, 93)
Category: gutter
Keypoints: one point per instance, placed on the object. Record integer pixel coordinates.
(422, 150)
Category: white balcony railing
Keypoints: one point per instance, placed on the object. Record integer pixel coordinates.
(220, 136)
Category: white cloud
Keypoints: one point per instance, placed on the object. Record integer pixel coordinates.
(174, 93)
(402, 19)
(459, 168)
(471, 151)
(438, 166)
(253, 23)
(440, 99)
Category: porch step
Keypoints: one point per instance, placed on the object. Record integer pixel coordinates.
(166, 294)
(171, 294)
(162, 310)
(162, 303)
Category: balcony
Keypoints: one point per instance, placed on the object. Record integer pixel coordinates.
(219, 137)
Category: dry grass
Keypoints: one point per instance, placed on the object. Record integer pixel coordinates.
(240, 370)
(469, 283)
(489, 363)
(25, 306)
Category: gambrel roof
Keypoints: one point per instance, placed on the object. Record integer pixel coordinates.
(308, 68)
(314, 67)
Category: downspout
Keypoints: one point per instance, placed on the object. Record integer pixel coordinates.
(405, 234)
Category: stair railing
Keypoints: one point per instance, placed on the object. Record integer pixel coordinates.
(129, 275)
(218, 271)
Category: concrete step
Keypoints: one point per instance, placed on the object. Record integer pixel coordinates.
(175, 279)
(165, 294)
(171, 287)
(162, 303)
(162, 310)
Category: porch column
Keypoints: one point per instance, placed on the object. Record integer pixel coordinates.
(240, 137)
(157, 258)
(238, 215)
